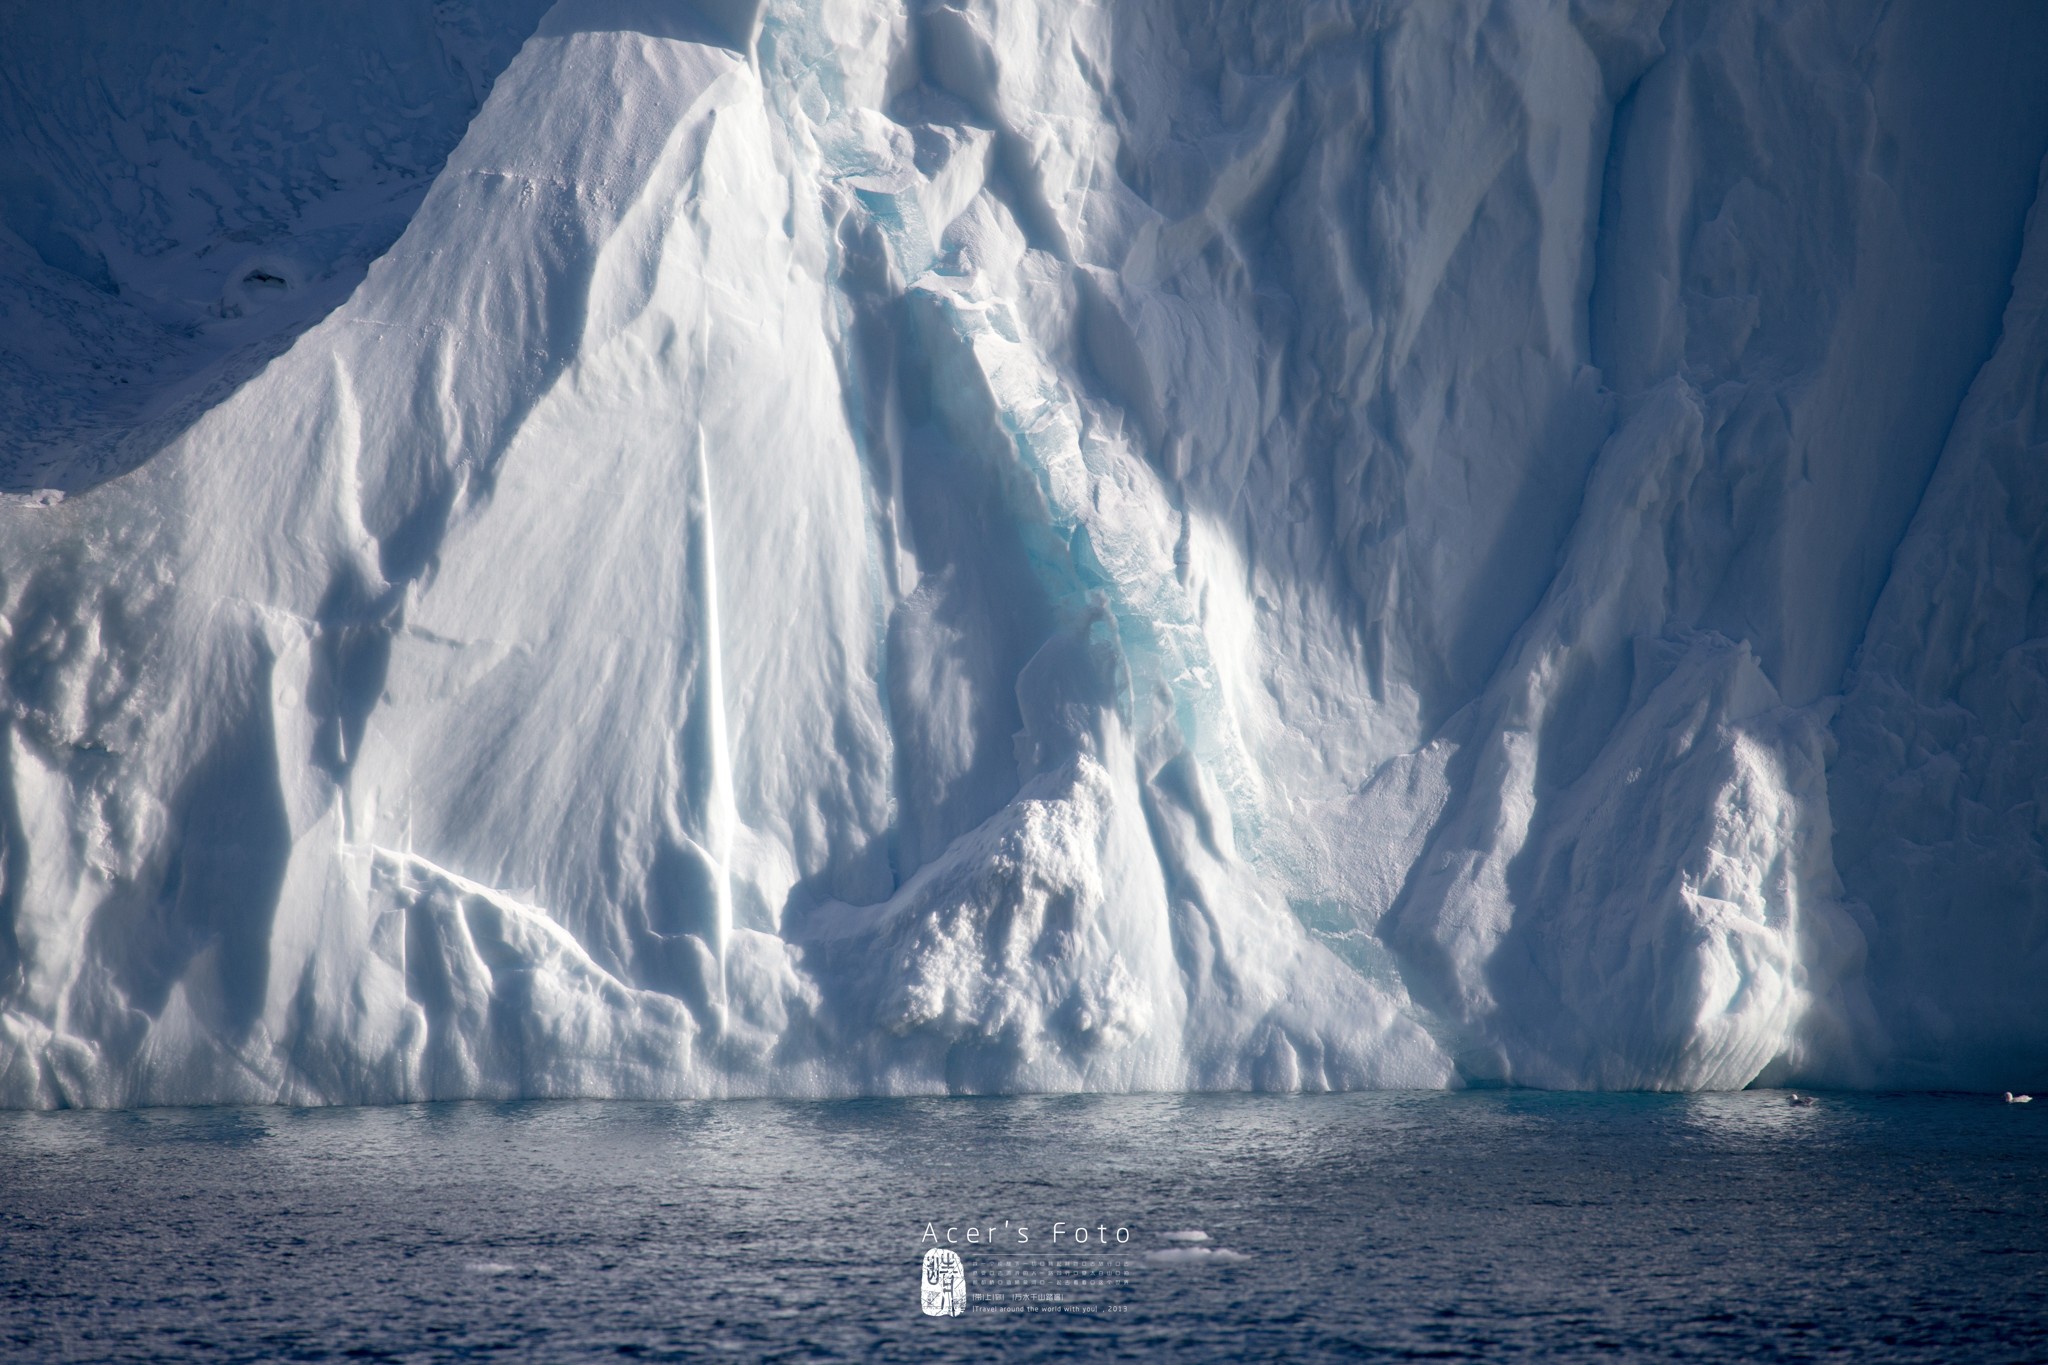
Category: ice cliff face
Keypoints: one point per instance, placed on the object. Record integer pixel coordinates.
(997, 545)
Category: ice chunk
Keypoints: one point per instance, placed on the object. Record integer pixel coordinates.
(1195, 1256)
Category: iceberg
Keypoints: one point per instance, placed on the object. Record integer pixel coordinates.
(662, 549)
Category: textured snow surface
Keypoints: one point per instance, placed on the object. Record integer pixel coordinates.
(991, 545)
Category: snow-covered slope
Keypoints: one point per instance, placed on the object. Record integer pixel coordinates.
(998, 545)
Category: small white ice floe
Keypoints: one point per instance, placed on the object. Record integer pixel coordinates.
(1191, 1235)
(1195, 1256)
(2011, 1098)
(1804, 1101)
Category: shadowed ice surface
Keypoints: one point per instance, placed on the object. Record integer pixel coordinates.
(1383, 1225)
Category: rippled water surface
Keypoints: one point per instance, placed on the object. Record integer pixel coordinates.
(1488, 1225)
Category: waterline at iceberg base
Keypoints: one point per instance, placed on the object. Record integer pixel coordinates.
(856, 547)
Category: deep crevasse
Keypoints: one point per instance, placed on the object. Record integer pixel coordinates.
(1262, 546)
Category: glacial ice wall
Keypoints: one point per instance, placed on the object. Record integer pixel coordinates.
(989, 545)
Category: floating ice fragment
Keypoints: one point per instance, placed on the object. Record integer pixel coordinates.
(1195, 1256)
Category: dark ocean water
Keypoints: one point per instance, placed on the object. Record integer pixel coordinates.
(1497, 1225)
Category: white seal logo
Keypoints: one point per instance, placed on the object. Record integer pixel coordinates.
(943, 1290)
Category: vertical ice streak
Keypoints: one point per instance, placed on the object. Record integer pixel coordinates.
(719, 813)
